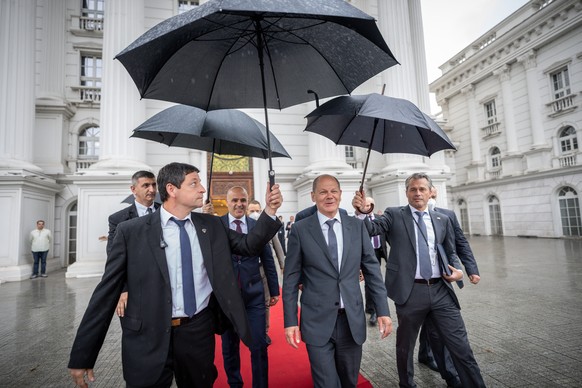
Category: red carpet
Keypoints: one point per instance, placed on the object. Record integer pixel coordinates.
(288, 367)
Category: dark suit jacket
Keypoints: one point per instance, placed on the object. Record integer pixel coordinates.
(462, 246)
(397, 223)
(118, 217)
(383, 243)
(137, 257)
(249, 268)
(308, 260)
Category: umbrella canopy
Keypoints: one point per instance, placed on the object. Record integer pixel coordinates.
(380, 123)
(257, 54)
(223, 131)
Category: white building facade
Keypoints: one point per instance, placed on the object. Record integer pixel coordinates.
(67, 110)
(511, 102)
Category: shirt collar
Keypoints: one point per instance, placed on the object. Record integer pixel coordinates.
(414, 210)
(322, 219)
(231, 219)
(166, 215)
(142, 209)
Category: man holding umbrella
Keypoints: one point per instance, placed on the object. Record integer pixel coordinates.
(176, 264)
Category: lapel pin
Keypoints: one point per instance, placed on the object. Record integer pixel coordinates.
(203, 230)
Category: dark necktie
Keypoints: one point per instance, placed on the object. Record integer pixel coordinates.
(422, 243)
(149, 211)
(332, 243)
(238, 228)
(187, 271)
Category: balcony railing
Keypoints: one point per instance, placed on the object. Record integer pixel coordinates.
(491, 130)
(90, 24)
(568, 160)
(85, 164)
(562, 104)
(88, 93)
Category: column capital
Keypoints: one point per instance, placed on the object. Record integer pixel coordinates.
(503, 73)
(529, 59)
(469, 90)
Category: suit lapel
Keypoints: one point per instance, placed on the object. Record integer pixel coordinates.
(348, 224)
(202, 231)
(408, 221)
(436, 225)
(155, 237)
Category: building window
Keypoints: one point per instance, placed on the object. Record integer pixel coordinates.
(89, 143)
(92, 15)
(91, 70)
(560, 83)
(72, 235)
(570, 212)
(568, 140)
(187, 5)
(490, 112)
(495, 216)
(464, 215)
(495, 158)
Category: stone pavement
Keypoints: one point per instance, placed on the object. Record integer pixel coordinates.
(524, 323)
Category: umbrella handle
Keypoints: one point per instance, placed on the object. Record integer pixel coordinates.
(271, 178)
(362, 211)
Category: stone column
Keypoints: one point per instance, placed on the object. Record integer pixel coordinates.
(539, 156)
(17, 62)
(475, 169)
(121, 108)
(512, 160)
(508, 113)
(324, 154)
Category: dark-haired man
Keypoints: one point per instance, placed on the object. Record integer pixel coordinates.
(180, 280)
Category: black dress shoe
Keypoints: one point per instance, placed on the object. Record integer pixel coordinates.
(455, 382)
(373, 319)
(431, 364)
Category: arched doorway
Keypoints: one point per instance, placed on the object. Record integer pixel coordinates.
(495, 216)
(71, 253)
(570, 212)
(228, 171)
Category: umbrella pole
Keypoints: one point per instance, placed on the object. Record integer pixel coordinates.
(262, 67)
(376, 121)
(210, 174)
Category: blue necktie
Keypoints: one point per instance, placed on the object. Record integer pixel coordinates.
(187, 271)
(423, 254)
(332, 243)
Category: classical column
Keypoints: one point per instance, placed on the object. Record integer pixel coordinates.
(325, 155)
(533, 95)
(475, 170)
(508, 114)
(121, 108)
(17, 75)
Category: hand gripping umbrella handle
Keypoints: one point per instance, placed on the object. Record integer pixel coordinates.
(271, 178)
(362, 211)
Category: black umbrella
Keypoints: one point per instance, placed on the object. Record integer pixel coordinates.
(257, 54)
(379, 123)
(223, 131)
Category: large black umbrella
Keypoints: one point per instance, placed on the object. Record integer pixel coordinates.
(257, 54)
(223, 131)
(379, 123)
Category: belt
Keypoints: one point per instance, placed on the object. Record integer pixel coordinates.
(341, 311)
(428, 282)
(180, 321)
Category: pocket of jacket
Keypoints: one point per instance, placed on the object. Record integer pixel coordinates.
(131, 323)
(392, 266)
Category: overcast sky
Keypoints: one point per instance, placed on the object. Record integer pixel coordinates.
(451, 25)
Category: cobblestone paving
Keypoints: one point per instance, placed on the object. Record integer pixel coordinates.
(524, 323)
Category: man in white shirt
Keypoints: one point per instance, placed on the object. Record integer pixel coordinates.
(40, 240)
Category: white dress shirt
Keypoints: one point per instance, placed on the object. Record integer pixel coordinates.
(202, 287)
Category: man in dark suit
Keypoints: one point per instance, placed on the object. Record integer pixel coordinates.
(247, 270)
(414, 279)
(326, 252)
(281, 236)
(289, 225)
(379, 245)
(177, 266)
(429, 338)
(143, 187)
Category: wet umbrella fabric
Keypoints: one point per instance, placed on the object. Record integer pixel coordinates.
(257, 54)
(223, 131)
(380, 123)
